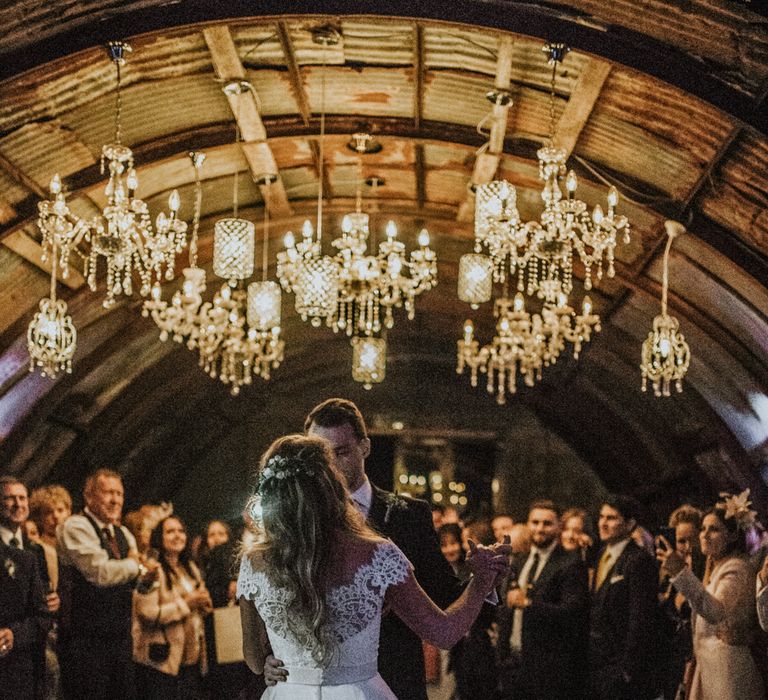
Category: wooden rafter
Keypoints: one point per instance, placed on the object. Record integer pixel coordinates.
(487, 161)
(419, 70)
(261, 160)
(297, 85)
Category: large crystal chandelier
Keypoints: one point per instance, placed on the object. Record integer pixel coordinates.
(665, 355)
(541, 252)
(237, 333)
(51, 335)
(123, 235)
(354, 290)
(524, 343)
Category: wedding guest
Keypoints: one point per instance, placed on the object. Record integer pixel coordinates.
(543, 629)
(141, 522)
(24, 622)
(437, 515)
(49, 506)
(686, 521)
(102, 564)
(215, 533)
(576, 533)
(450, 536)
(625, 636)
(169, 617)
(501, 524)
(723, 604)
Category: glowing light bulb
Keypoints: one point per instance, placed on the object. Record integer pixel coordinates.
(424, 238)
(469, 329)
(346, 224)
(132, 181)
(55, 185)
(586, 306)
(664, 347)
(391, 229)
(597, 214)
(306, 230)
(519, 303)
(613, 196)
(289, 240)
(571, 183)
(174, 201)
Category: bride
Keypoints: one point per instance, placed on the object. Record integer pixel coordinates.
(313, 588)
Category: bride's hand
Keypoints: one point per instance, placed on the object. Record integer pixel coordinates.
(487, 563)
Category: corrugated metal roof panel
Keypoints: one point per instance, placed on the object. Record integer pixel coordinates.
(378, 43)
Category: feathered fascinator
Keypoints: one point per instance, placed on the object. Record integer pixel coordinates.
(738, 507)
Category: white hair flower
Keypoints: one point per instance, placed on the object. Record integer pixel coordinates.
(738, 507)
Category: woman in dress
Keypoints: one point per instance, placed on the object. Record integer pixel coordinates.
(313, 588)
(723, 606)
(170, 613)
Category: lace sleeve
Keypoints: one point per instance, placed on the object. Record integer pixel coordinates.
(390, 566)
(249, 581)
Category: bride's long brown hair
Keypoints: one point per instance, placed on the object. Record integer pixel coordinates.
(305, 511)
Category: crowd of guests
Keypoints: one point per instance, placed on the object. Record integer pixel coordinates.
(102, 604)
(614, 612)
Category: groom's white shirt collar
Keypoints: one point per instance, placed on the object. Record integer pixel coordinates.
(363, 497)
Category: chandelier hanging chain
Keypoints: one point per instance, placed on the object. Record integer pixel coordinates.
(665, 275)
(321, 149)
(197, 161)
(265, 247)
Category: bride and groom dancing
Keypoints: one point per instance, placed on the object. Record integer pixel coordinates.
(335, 556)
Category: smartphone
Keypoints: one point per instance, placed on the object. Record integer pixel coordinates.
(669, 534)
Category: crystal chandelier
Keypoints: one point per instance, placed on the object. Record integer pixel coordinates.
(239, 335)
(524, 343)
(541, 252)
(123, 235)
(665, 355)
(369, 360)
(51, 335)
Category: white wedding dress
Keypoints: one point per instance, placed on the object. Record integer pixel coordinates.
(354, 618)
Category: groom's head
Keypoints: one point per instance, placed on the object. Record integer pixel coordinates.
(340, 422)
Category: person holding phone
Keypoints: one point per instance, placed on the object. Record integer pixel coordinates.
(682, 534)
(168, 638)
(722, 604)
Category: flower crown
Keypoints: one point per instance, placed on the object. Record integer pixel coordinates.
(279, 467)
(738, 507)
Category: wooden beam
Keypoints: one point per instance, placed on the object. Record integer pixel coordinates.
(421, 175)
(297, 85)
(580, 104)
(419, 71)
(28, 248)
(488, 160)
(21, 177)
(229, 67)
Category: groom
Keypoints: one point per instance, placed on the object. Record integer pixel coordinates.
(407, 522)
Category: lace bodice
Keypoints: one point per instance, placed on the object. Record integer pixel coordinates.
(354, 611)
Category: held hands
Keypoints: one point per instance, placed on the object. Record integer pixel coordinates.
(672, 562)
(488, 563)
(274, 671)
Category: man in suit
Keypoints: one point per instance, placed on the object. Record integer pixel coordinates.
(407, 522)
(14, 513)
(543, 627)
(102, 565)
(24, 624)
(625, 636)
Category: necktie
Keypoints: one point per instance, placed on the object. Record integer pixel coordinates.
(14, 542)
(114, 550)
(603, 568)
(528, 574)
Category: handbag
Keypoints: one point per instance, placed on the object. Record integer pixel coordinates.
(228, 635)
(160, 651)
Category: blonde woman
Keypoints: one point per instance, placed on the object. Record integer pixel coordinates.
(313, 588)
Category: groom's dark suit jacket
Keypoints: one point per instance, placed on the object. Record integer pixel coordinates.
(553, 657)
(408, 523)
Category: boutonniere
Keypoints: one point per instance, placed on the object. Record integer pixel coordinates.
(10, 567)
(394, 502)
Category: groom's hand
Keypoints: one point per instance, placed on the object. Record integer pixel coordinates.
(274, 671)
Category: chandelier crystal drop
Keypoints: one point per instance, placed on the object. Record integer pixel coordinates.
(123, 235)
(369, 360)
(665, 356)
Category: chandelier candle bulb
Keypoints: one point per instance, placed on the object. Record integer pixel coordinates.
(424, 238)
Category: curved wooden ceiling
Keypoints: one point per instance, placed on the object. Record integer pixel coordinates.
(666, 102)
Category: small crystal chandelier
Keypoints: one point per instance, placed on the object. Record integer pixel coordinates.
(180, 318)
(51, 335)
(124, 234)
(665, 355)
(524, 343)
(369, 360)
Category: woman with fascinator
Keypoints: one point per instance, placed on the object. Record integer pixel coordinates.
(313, 588)
(723, 604)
